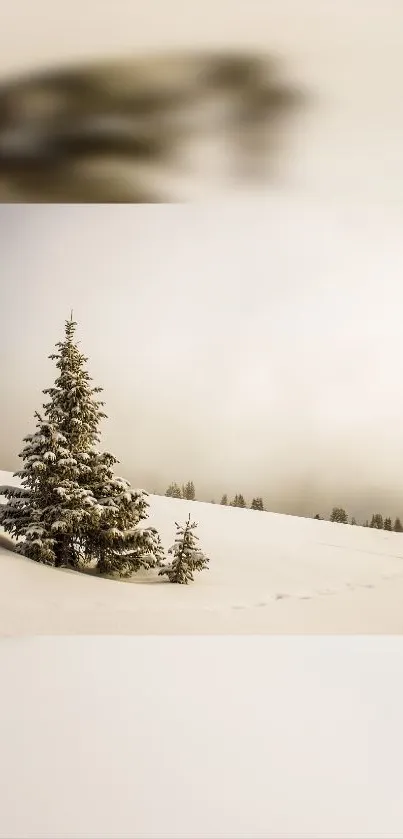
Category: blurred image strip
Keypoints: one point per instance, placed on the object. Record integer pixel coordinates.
(151, 128)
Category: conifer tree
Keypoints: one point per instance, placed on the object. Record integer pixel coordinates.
(353, 521)
(257, 504)
(188, 491)
(339, 515)
(224, 500)
(174, 491)
(238, 501)
(71, 507)
(377, 521)
(317, 516)
(397, 527)
(187, 557)
(387, 525)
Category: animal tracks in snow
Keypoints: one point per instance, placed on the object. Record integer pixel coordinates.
(321, 593)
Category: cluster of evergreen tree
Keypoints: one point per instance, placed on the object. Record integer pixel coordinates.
(257, 504)
(186, 491)
(339, 515)
(379, 523)
(239, 501)
(71, 509)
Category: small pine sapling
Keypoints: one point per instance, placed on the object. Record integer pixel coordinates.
(187, 557)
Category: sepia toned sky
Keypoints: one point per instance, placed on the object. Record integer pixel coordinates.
(252, 348)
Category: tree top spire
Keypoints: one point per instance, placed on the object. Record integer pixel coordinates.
(70, 326)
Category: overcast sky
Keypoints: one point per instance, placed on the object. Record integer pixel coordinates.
(253, 349)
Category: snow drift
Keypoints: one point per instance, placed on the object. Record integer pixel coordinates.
(268, 573)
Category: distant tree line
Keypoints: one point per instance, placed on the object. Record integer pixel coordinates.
(340, 516)
(187, 492)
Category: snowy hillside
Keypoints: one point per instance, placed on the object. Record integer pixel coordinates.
(268, 573)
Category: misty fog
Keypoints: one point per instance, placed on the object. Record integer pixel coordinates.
(254, 348)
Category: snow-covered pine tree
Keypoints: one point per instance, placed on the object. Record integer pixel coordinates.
(188, 491)
(339, 515)
(257, 504)
(224, 500)
(187, 557)
(238, 501)
(100, 512)
(50, 512)
(174, 491)
(114, 540)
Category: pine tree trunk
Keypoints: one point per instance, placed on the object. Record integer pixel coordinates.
(58, 549)
(61, 552)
